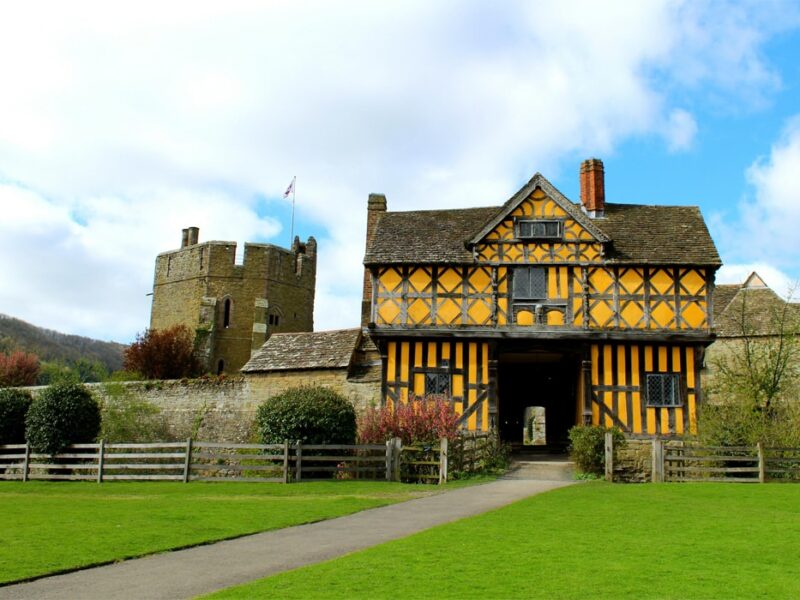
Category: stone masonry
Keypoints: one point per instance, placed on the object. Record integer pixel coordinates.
(233, 308)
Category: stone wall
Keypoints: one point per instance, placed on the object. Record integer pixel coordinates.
(223, 410)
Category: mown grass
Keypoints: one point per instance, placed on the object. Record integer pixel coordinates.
(587, 541)
(48, 527)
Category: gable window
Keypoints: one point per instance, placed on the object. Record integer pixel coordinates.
(437, 382)
(663, 389)
(530, 283)
(538, 229)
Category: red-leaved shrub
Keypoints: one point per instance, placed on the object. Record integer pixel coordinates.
(163, 354)
(18, 368)
(420, 420)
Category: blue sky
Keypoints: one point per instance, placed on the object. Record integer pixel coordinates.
(120, 125)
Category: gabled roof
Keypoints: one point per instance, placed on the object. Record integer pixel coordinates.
(538, 181)
(307, 350)
(751, 308)
(639, 234)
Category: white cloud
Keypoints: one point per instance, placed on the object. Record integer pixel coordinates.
(680, 130)
(131, 121)
(776, 279)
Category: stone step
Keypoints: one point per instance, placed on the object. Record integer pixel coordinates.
(541, 470)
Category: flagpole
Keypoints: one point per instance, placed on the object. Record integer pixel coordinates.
(294, 189)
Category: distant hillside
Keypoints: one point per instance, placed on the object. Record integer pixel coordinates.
(51, 345)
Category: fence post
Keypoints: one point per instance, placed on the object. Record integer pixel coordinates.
(298, 453)
(187, 463)
(285, 461)
(658, 460)
(26, 462)
(100, 460)
(609, 451)
(397, 451)
(389, 452)
(443, 461)
(762, 469)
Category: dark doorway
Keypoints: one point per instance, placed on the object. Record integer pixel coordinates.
(547, 380)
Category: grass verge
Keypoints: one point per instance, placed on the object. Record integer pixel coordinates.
(587, 541)
(50, 527)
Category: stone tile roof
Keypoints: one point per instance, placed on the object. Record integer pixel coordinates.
(723, 294)
(307, 350)
(639, 234)
(760, 308)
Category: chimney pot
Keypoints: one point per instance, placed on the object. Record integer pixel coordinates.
(593, 188)
(194, 235)
(184, 238)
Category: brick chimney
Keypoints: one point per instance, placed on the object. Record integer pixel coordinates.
(376, 206)
(593, 187)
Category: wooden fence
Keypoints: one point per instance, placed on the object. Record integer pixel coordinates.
(686, 461)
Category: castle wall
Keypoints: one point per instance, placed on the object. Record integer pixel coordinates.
(271, 291)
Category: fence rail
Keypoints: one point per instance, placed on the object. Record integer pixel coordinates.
(215, 461)
(687, 461)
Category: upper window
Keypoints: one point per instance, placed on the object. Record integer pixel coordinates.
(663, 389)
(539, 229)
(530, 283)
(226, 313)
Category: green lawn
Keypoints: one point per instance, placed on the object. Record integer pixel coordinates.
(47, 527)
(587, 541)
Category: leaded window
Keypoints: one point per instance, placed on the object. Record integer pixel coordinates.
(437, 383)
(530, 283)
(539, 229)
(663, 389)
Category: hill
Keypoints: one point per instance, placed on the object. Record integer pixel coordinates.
(51, 345)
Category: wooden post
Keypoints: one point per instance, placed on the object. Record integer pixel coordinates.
(397, 452)
(762, 469)
(298, 453)
(26, 462)
(609, 447)
(658, 460)
(187, 463)
(443, 461)
(101, 449)
(389, 452)
(285, 461)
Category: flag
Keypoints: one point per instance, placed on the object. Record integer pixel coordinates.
(289, 189)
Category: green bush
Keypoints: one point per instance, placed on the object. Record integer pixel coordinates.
(61, 415)
(588, 446)
(739, 422)
(126, 418)
(14, 406)
(312, 415)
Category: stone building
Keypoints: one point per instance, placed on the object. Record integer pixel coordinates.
(233, 307)
(344, 360)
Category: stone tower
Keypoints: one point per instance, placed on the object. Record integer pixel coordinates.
(233, 308)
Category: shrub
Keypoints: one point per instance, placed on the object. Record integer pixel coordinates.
(18, 368)
(418, 421)
(61, 415)
(587, 446)
(126, 418)
(312, 415)
(739, 422)
(14, 406)
(163, 354)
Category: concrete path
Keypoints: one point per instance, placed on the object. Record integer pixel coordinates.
(204, 569)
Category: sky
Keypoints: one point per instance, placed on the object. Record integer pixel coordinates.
(123, 123)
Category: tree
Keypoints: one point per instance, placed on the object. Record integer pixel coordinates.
(18, 368)
(163, 354)
(762, 362)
